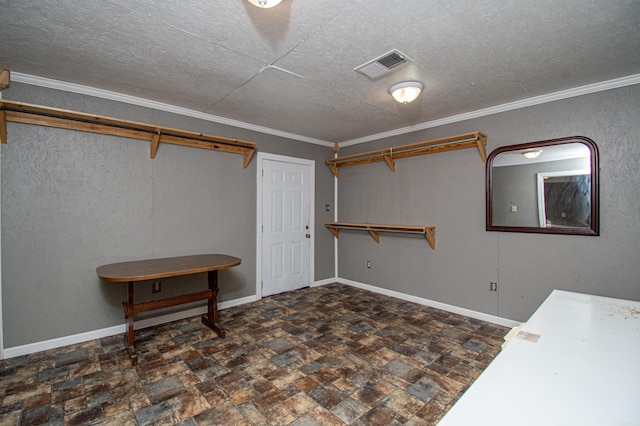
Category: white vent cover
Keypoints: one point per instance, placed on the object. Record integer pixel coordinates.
(383, 64)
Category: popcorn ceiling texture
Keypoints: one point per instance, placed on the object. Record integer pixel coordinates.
(213, 57)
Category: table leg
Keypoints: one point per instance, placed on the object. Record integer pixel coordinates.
(211, 318)
(129, 313)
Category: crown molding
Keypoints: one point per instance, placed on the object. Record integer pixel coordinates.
(120, 97)
(536, 100)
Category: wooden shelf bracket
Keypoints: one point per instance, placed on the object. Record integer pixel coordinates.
(374, 230)
(19, 112)
(3, 126)
(467, 140)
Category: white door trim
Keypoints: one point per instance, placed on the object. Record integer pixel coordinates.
(262, 156)
(1, 324)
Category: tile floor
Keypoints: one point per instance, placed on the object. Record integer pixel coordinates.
(329, 355)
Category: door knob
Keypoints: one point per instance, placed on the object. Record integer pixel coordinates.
(307, 235)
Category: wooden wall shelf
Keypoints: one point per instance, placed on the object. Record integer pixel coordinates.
(19, 112)
(428, 231)
(388, 155)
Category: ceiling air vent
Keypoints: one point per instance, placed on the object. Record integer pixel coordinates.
(383, 64)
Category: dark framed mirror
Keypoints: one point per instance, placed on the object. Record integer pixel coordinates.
(547, 187)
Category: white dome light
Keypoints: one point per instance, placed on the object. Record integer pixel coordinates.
(406, 92)
(265, 3)
(532, 154)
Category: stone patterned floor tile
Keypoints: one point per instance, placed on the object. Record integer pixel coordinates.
(330, 355)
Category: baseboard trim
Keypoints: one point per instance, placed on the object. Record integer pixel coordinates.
(324, 282)
(176, 316)
(117, 329)
(438, 305)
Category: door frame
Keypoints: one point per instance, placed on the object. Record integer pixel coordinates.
(262, 156)
(1, 324)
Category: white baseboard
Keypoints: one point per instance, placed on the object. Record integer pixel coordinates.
(237, 302)
(117, 329)
(324, 282)
(163, 319)
(438, 305)
(62, 341)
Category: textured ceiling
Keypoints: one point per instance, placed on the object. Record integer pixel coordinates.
(290, 68)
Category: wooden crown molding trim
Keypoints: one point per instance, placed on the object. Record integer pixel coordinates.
(132, 100)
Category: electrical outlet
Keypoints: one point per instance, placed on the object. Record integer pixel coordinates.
(368, 264)
(493, 286)
(156, 288)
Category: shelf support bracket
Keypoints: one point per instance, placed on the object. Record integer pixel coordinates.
(482, 147)
(3, 126)
(247, 158)
(5, 79)
(335, 170)
(430, 235)
(335, 232)
(375, 235)
(155, 141)
(389, 160)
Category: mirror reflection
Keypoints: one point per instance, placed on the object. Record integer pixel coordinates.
(545, 187)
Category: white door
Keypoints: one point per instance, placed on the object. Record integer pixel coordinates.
(286, 226)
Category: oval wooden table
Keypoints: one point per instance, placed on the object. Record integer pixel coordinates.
(151, 269)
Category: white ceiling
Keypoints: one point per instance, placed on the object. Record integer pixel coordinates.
(227, 58)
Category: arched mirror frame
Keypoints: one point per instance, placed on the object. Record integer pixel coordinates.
(593, 230)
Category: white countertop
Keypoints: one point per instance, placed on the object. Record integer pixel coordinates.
(584, 368)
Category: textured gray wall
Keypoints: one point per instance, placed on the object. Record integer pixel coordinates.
(447, 190)
(72, 201)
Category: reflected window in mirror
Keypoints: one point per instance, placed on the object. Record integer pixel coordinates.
(544, 187)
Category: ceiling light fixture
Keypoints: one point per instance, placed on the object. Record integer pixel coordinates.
(532, 154)
(406, 92)
(265, 3)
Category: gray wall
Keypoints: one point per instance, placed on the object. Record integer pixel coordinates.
(447, 191)
(72, 201)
